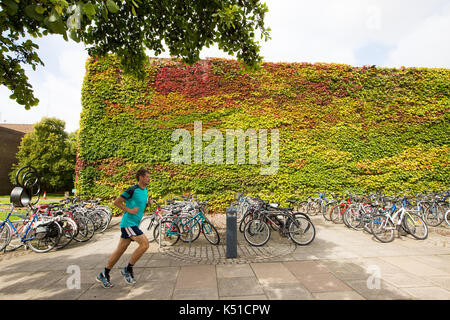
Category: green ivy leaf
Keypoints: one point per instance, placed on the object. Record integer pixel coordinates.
(89, 10)
(30, 11)
(40, 9)
(112, 6)
(11, 6)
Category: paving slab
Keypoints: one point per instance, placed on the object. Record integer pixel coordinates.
(435, 261)
(443, 282)
(348, 269)
(287, 291)
(428, 293)
(413, 266)
(195, 294)
(385, 291)
(158, 274)
(323, 282)
(152, 290)
(233, 271)
(259, 297)
(301, 268)
(339, 295)
(201, 276)
(269, 273)
(239, 287)
(404, 280)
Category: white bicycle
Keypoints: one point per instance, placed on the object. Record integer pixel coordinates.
(383, 226)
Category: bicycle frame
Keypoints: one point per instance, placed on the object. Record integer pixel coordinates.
(400, 214)
(29, 224)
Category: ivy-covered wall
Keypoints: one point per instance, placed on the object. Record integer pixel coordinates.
(340, 127)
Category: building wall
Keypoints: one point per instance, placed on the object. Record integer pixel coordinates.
(10, 137)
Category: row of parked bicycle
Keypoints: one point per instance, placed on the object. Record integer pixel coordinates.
(380, 214)
(47, 226)
(257, 217)
(186, 218)
(180, 218)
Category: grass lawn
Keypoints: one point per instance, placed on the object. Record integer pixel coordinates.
(49, 195)
(3, 214)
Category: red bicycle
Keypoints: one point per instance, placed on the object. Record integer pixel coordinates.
(337, 212)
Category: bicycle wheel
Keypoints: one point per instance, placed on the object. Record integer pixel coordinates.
(5, 235)
(48, 242)
(313, 208)
(256, 232)
(166, 233)
(326, 213)
(96, 218)
(147, 225)
(382, 228)
(302, 206)
(86, 228)
(432, 215)
(210, 232)
(301, 231)
(15, 241)
(366, 219)
(69, 229)
(416, 226)
(353, 218)
(447, 217)
(337, 213)
(248, 216)
(104, 220)
(189, 230)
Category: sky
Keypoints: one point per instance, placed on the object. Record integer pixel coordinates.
(385, 33)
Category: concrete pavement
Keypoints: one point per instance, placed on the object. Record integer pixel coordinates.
(339, 264)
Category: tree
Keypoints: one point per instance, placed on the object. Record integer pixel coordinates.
(50, 150)
(127, 28)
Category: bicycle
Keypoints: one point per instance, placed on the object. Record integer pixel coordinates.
(293, 226)
(40, 235)
(383, 226)
(148, 224)
(171, 228)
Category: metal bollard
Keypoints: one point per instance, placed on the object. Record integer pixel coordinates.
(231, 233)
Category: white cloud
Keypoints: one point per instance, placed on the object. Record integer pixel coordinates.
(58, 88)
(427, 46)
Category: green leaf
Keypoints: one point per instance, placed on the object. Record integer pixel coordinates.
(53, 17)
(112, 6)
(105, 13)
(133, 11)
(74, 36)
(30, 11)
(89, 9)
(40, 9)
(12, 7)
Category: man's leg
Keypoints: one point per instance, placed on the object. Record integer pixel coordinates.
(127, 272)
(103, 277)
(115, 256)
(143, 246)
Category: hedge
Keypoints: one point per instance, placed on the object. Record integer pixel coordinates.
(340, 128)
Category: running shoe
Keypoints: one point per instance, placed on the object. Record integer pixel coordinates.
(104, 280)
(129, 277)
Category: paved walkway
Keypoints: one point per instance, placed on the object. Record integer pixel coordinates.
(339, 264)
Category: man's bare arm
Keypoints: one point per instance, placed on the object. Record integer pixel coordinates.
(120, 203)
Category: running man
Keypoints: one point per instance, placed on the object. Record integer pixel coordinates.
(133, 202)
